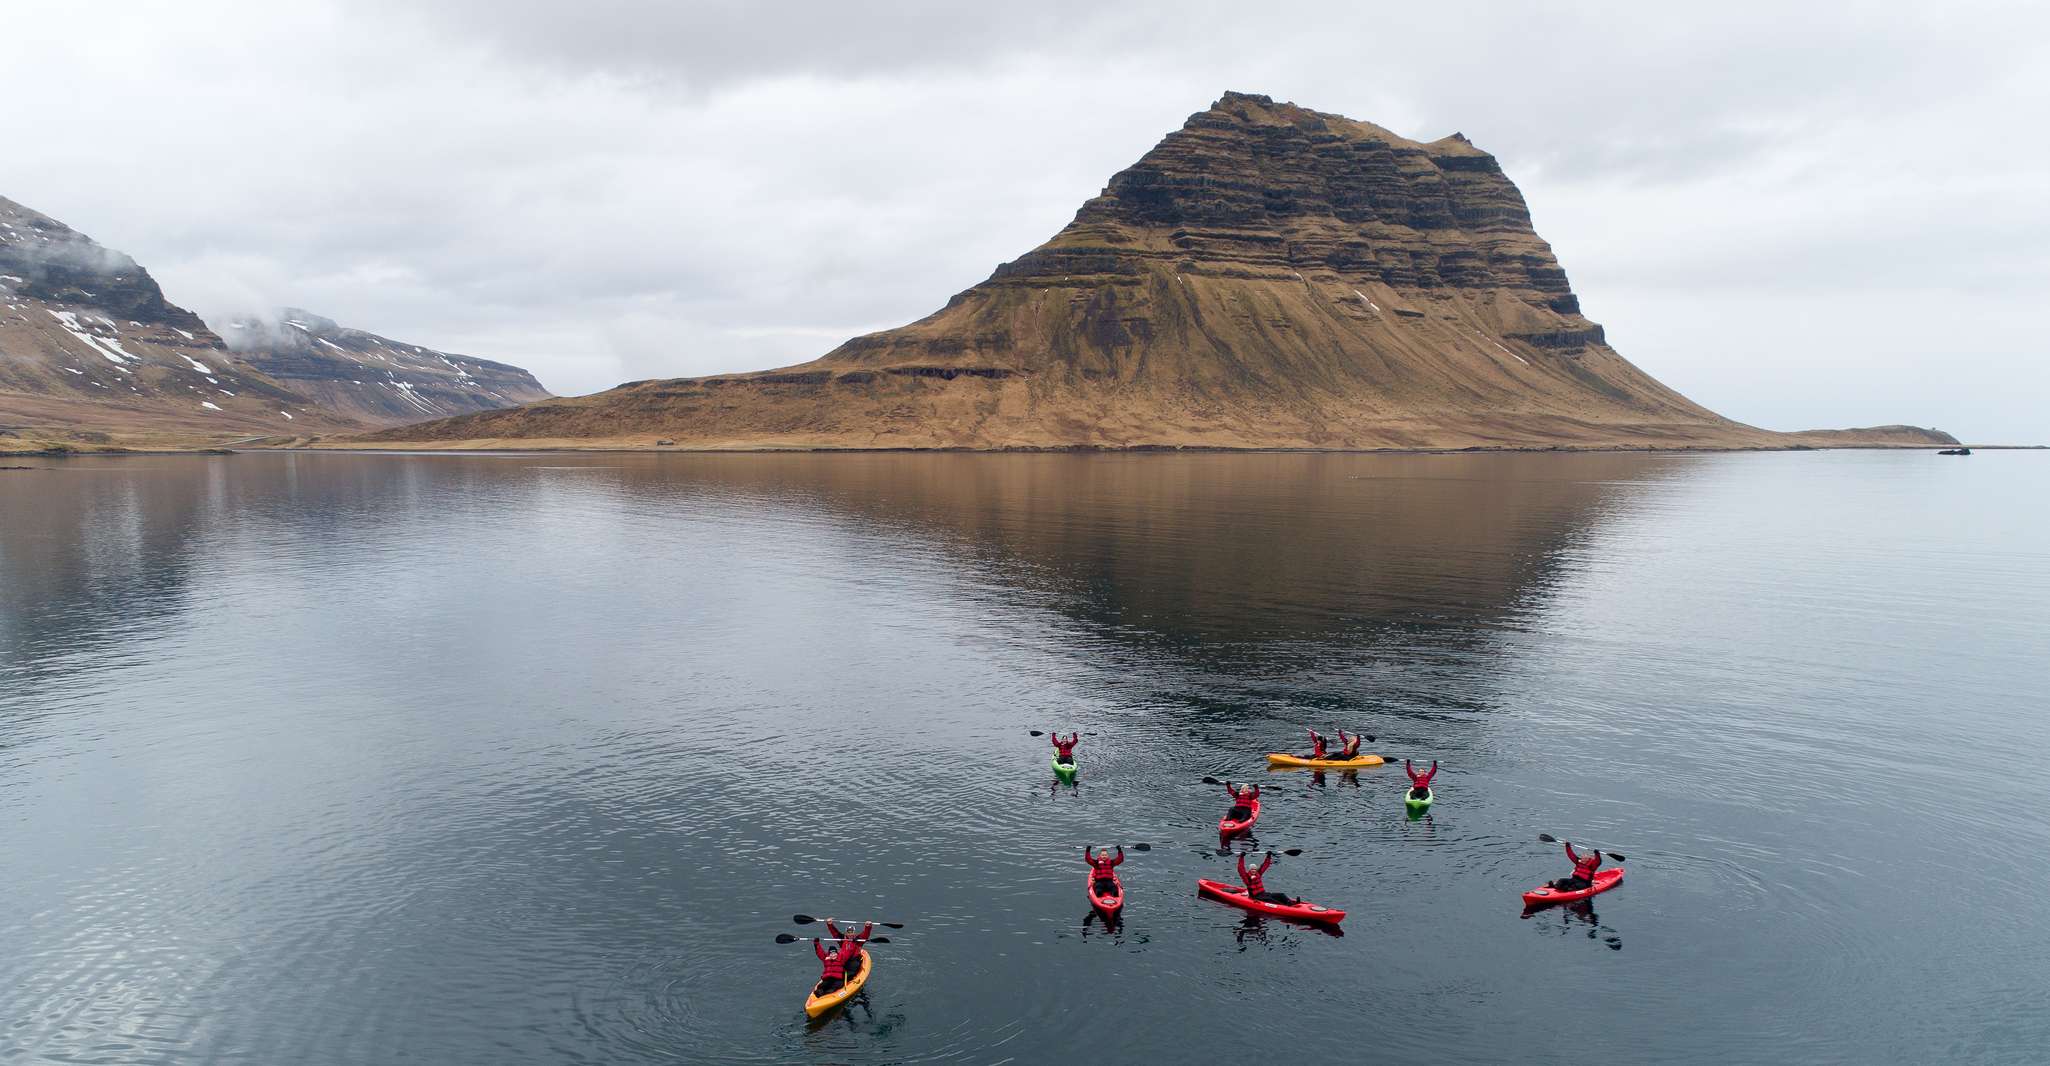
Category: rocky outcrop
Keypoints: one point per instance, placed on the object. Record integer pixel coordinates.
(1868, 436)
(374, 379)
(1266, 277)
(89, 344)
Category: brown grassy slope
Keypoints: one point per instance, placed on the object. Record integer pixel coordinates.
(1265, 277)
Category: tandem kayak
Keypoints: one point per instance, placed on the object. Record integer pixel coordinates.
(1064, 770)
(1236, 896)
(815, 1004)
(1297, 762)
(1603, 881)
(1418, 806)
(1226, 827)
(1110, 903)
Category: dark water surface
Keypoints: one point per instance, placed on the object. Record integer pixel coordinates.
(526, 759)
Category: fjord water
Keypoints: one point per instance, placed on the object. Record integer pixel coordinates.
(328, 758)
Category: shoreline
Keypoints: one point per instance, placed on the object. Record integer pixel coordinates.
(116, 451)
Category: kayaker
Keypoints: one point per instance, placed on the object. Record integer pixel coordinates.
(833, 962)
(1256, 887)
(851, 944)
(1241, 801)
(1317, 743)
(1106, 882)
(1064, 750)
(1419, 784)
(1351, 748)
(1584, 867)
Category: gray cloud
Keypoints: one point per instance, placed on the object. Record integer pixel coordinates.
(614, 190)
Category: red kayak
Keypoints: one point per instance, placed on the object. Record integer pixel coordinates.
(1228, 828)
(1236, 896)
(1603, 881)
(1110, 903)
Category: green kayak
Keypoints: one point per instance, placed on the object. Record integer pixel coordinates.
(1064, 770)
(1418, 806)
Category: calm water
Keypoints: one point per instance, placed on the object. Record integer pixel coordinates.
(527, 759)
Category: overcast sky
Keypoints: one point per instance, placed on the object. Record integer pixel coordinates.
(1800, 215)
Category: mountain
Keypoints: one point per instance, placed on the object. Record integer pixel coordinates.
(89, 345)
(1267, 276)
(374, 379)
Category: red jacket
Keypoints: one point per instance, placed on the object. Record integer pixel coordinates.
(1244, 797)
(850, 942)
(1316, 745)
(1066, 748)
(1104, 865)
(1583, 866)
(1417, 780)
(1352, 745)
(830, 965)
(1253, 878)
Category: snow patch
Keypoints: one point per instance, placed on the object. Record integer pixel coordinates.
(109, 348)
(208, 404)
(1505, 351)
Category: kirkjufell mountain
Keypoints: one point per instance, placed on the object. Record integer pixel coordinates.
(1266, 277)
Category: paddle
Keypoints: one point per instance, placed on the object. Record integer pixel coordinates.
(786, 938)
(1291, 852)
(1134, 847)
(1616, 855)
(806, 919)
(1265, 790)
(1078, 732)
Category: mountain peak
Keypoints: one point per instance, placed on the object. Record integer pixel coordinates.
(372, 378)
(1264, 276)
(89, 345)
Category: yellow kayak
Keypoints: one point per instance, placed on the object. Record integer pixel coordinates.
(1285, 761)
(815, 1004)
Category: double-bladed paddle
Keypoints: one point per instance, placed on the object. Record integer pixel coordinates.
(1616, 855)
(1265, 789)
(806, 919)
(786, 938)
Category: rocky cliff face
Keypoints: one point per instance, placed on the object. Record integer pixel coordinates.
(374, 379)
(87, 341)
(1266, 276)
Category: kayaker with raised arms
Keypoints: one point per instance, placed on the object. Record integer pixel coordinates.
(1584, 867)
(1351, 748)
(1317, 743)
(1064, 750)
(1420, 784)
(1256, 886)
(1103, 865)
(1241, 801)
(835, 961)
(851, 941)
